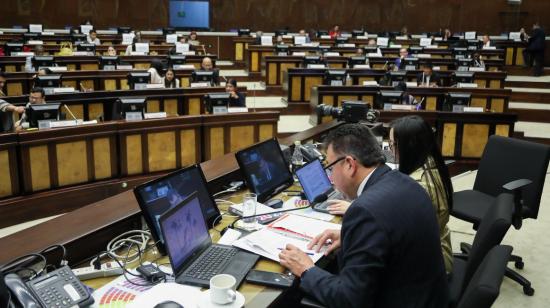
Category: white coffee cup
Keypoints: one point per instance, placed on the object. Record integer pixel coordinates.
(222, 289)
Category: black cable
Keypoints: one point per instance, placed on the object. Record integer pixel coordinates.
(20, 262)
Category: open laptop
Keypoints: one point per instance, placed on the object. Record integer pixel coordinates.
(193, 256)
(314, 181)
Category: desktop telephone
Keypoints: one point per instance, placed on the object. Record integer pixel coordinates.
(59, 288)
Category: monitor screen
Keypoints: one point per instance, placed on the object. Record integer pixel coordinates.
(190, 14)
(264, 168)
(42, 112)
(158, 196)
(184, 230)
(314, 179)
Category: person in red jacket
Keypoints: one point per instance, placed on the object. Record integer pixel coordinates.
(335, 32)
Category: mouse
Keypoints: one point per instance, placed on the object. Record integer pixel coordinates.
(168, 304)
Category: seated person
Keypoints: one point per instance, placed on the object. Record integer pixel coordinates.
(208, 65)
(486, 41)
(170, 80)
(279, 40)
(258, 37)
(193, 39)
(359, 52)
(406, 99)
(236, 99)
(428, 78)
(92, 38)
(447, 34)
(155, 71)
(303, 32)
(404, 31)
(111, 51)
(39, 51)
(2, 83)
(132, 47)
(477, 60)
(335, 32)
(403, 53)
(37, 96)
(6, 117)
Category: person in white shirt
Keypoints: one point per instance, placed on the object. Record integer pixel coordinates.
(486, 41)
(170, 80)
(156, 72)
(92, 38)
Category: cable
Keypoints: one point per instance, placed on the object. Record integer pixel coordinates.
(20, 263)
(63, 257)
(138, 237)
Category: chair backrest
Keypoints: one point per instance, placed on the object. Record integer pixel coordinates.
(492, 228)
(507, 159)
(484, 287)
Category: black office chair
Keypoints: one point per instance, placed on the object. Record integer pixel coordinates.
(507, 165)
(484, 288)
(492, 229)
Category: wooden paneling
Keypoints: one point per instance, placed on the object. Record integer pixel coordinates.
(102, 158)
(134, 155)
(497, 105)
(171, 107)
(194, 106)
(239, 51)
(95, 110)
(77, 110)
(266, 132)
(109, 84)
(449, 136)
(431, 103)
(14, 89)
(188, 141)
(5, 176)
(153, 105)
(474, 138)
(40, 167)
(296, 88)
(217, 142)
(308, 84)
(502, 130)
(241, 137)
(479, 102)
(72, 163)
(161, 151)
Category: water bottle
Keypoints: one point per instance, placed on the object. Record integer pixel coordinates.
(297, 157)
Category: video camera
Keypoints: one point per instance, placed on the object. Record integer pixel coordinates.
(350, 112)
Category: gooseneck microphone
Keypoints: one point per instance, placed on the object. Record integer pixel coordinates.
(319, 199)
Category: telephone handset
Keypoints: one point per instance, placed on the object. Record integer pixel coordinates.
(59, 288)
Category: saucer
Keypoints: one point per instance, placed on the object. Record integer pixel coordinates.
(205, 302)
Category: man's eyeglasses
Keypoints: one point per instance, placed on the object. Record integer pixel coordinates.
(331, 165)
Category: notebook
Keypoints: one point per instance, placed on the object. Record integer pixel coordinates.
(193, 256)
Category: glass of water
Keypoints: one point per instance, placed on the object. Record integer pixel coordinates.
(249, 209)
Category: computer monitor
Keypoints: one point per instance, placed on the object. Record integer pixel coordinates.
(108, 62)
(323, 49)
(281, 50)
(356, 33)
(164, 193)
(341, 40)
(243, 32)
(335, 77)
(131, 104)
(370, 49)
(264, 168)
(203, 76)
(79, 37)
(42, 112)
(174, 60)
(397, 76)
(321, 33)
(122, 30)
(473, 44)
(281, 32)
(31, 36)
(460, 52)
(86, 47)
(138, 81)
(10, 48)
(42, 61)
(48, 81)
(456, 101)
(356, 60)
(388, 98)
(414, 50)
(168, 30)
(409, 64)
(217, 102)
(312, 60)
(463, 77)
(463, 64)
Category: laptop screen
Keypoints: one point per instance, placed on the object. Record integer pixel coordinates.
(313, 179)
(185, 232)
(265, 169)
(158, 196)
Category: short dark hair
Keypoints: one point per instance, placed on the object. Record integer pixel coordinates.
(37, 90)
(92, 31)
(232, 81)
(358, 141)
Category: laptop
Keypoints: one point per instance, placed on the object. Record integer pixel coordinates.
(314, 181)
(193, 256)
(163, 193)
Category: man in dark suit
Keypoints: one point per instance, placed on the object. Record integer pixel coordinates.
(535, 50)
(389, 250)
(428, 78)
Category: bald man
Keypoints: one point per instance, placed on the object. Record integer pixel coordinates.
(208, 65)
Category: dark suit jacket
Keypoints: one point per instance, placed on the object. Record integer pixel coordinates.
(434, 78)
(537, 40)
(238, 102)
(390, 254)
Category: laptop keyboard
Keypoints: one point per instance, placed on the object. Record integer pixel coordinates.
(322, 207)
(211, 263)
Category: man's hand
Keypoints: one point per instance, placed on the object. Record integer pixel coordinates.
(338, 207)
(19, 109)
(330, 237)
(295, 260)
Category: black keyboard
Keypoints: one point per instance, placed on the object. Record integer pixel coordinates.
(211, 263)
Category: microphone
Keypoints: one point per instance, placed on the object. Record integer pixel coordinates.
(69, 110)
(319, 199)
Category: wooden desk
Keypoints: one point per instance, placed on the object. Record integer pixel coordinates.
(84, 237)
(83, 163)
(299, 81)
(73, 63)
(240, 45)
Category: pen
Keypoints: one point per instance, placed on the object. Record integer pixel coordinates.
(307, 253)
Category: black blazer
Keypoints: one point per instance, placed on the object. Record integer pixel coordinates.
(433, 78)
(238, 102)
(390, 254)
(537, 40)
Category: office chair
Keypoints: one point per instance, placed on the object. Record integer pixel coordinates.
(507, 165)
(484, 288)
(492, 228)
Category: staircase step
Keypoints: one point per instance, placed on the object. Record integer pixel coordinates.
(531, 95)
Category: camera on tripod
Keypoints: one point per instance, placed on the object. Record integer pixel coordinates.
(350, 112)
